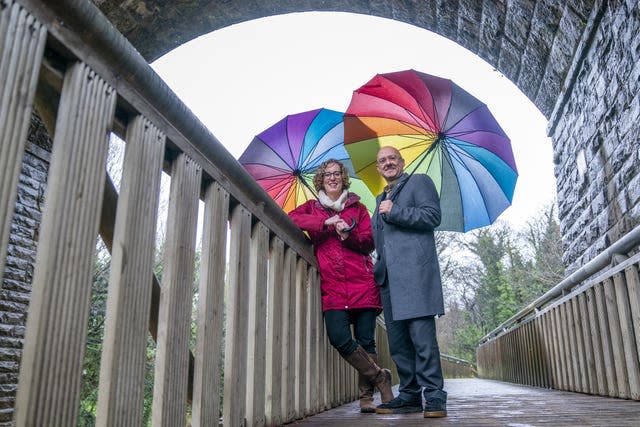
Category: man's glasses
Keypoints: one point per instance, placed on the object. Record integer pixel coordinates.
(392, 158)
(336, 174)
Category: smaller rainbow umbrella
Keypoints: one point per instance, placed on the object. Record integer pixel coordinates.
(283, 158)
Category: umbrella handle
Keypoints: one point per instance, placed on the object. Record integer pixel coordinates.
(351, 227)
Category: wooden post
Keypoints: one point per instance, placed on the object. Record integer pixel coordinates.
(590, 369)
(210, 318)
(235, 353)
(313, 376)
(51, 365)
(120, 396)
(605, 337)
(275, 308)
(288, 336)
(629, 348)
(176, 294)
(616, 339)
(633, 284)
(301, 307)
(582, 379)
(596, 341)
(257, 333)
(22, 40)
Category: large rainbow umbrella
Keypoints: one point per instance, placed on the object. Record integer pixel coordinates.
(284, 158)
(440, 130)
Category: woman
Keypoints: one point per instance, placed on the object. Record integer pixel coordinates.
(340, 230)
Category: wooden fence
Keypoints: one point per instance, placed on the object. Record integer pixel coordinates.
(583, 336)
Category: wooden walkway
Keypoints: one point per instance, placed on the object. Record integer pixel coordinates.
(475, 402)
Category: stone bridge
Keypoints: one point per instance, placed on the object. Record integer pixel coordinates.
(576, 60)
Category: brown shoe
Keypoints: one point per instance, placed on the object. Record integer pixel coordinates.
(436, 405)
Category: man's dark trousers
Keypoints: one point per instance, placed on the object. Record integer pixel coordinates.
(414, 349)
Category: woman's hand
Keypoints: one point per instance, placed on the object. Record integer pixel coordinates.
(341, 226)
(332, 220)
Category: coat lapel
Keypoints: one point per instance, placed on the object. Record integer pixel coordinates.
(398, 187)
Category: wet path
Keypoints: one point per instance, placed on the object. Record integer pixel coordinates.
(475, 402)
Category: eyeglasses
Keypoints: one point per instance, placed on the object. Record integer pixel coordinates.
(392, 158)
(336, 174)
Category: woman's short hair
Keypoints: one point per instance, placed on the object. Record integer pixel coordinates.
(318, 178)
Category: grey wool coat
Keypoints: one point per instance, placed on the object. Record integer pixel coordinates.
(406, 249)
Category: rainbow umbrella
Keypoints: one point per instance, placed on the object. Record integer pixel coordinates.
(283, 158)
(440, 130)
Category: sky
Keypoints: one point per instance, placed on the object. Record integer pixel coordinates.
(242, 79)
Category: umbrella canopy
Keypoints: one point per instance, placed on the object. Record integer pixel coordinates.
(284, 158)
(440, 130)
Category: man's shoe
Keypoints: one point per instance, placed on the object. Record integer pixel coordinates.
(399, 406)
(436, 406)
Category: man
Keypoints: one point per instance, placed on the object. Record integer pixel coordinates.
(409, 277)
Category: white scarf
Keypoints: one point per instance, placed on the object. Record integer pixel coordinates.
(337, 205)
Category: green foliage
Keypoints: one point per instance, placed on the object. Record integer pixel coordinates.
(467, 341)
(495, 294)
(95, 336)
(95, 333)
(494, 272)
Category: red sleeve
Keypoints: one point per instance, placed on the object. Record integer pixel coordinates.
(312, 221)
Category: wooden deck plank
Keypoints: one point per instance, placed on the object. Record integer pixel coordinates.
(477, 402)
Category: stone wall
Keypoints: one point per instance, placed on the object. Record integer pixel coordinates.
(16, 283)
(596, 146)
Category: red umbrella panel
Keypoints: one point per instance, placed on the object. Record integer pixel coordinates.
(441, 130)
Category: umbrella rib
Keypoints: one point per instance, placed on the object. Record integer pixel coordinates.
(274, 152)
(313, 155)
(459, 155)
(419, 140)
(411, 114)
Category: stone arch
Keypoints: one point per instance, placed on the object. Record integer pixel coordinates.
(533, 43)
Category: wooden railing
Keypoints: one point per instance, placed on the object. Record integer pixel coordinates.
(583, 335)
(86, 83)
(453, 367)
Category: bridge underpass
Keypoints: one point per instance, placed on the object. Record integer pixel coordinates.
(476, 402)
(88, 83)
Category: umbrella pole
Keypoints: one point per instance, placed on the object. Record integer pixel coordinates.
(433, 146)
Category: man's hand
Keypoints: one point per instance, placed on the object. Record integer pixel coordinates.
(385, 207)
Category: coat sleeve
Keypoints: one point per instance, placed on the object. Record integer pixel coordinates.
(360, 239)
(422, 210)
(305, 217)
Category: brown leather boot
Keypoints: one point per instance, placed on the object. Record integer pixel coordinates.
(366, 389)
(380, 378)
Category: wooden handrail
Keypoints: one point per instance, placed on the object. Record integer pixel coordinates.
(87, 34)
